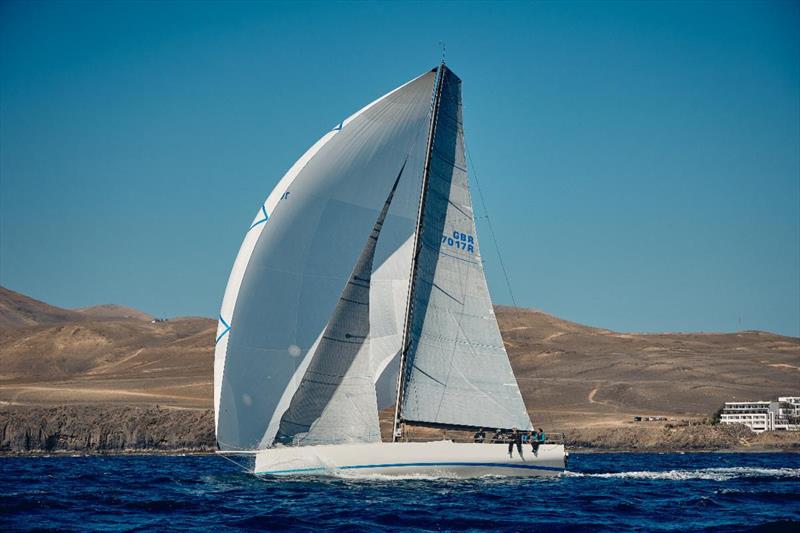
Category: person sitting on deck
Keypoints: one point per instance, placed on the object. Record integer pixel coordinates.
(498, 436)
(516, 440)
(480, 436)
(534, 440)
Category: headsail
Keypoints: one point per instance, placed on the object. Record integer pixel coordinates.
(336, 401)
(294, 264)
(456, 368)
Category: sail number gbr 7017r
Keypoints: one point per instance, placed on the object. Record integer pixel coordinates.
(460, 241)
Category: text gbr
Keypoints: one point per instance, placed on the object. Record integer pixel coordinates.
(459, 240)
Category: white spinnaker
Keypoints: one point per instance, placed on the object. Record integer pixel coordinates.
(457, 371)
(251, 237)
(286, 279)
(243, 257)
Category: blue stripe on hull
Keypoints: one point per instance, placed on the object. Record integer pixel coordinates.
(405, 465)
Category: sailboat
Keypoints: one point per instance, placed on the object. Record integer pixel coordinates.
(359, 285)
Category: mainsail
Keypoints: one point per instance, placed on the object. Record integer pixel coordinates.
(392, 176)
(456, 369)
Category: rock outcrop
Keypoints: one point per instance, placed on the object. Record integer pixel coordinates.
(112, 428)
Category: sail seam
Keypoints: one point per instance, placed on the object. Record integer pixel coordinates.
(447, 294)
(456, 341)
(427, 375)
(439, 250)
(450, 162)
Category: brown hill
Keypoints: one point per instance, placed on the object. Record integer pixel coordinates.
(120, 361)
(101, 354)
(18, 310)
(577, 376)
(107, 311)
(571, 375)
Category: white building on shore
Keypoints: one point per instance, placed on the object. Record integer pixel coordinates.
(761, 416)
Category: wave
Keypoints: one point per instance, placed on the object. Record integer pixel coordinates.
(354, 474)
(706, 474)
(710, 474)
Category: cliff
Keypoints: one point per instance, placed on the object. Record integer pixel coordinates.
(105, 428)
(125, 429)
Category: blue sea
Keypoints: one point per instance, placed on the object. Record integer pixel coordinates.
(614, 492)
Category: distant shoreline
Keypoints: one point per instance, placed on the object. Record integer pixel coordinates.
(109, 380)
(723, 450)
(83, 430)
(199, 453)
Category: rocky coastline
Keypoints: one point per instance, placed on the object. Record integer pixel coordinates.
(114, 429)
(89, 429)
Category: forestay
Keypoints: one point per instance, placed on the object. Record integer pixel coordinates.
(457, 371)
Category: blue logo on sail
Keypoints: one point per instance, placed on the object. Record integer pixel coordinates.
(226, 330)
(262, 220)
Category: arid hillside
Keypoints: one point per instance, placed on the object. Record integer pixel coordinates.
(106, 354)
(18, 310)
(111, 311)
(577, 376)
(572, 376)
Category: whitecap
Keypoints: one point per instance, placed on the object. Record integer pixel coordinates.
(711, 474)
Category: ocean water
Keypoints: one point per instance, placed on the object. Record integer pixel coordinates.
(615, 492)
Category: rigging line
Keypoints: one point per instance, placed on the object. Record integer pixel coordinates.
(489, 223)
(244, 469)
(491, 231)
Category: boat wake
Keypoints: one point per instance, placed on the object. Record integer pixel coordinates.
(349, 474)
(709, 474)
(704, 474)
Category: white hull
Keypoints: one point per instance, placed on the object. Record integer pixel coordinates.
(442, 458)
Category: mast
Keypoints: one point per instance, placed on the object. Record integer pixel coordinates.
(406, 343)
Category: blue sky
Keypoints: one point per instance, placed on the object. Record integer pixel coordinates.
(640, 161)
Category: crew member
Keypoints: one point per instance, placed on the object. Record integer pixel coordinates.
(516, 440)
(480, 436)
(498, 436)
(534, 439)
